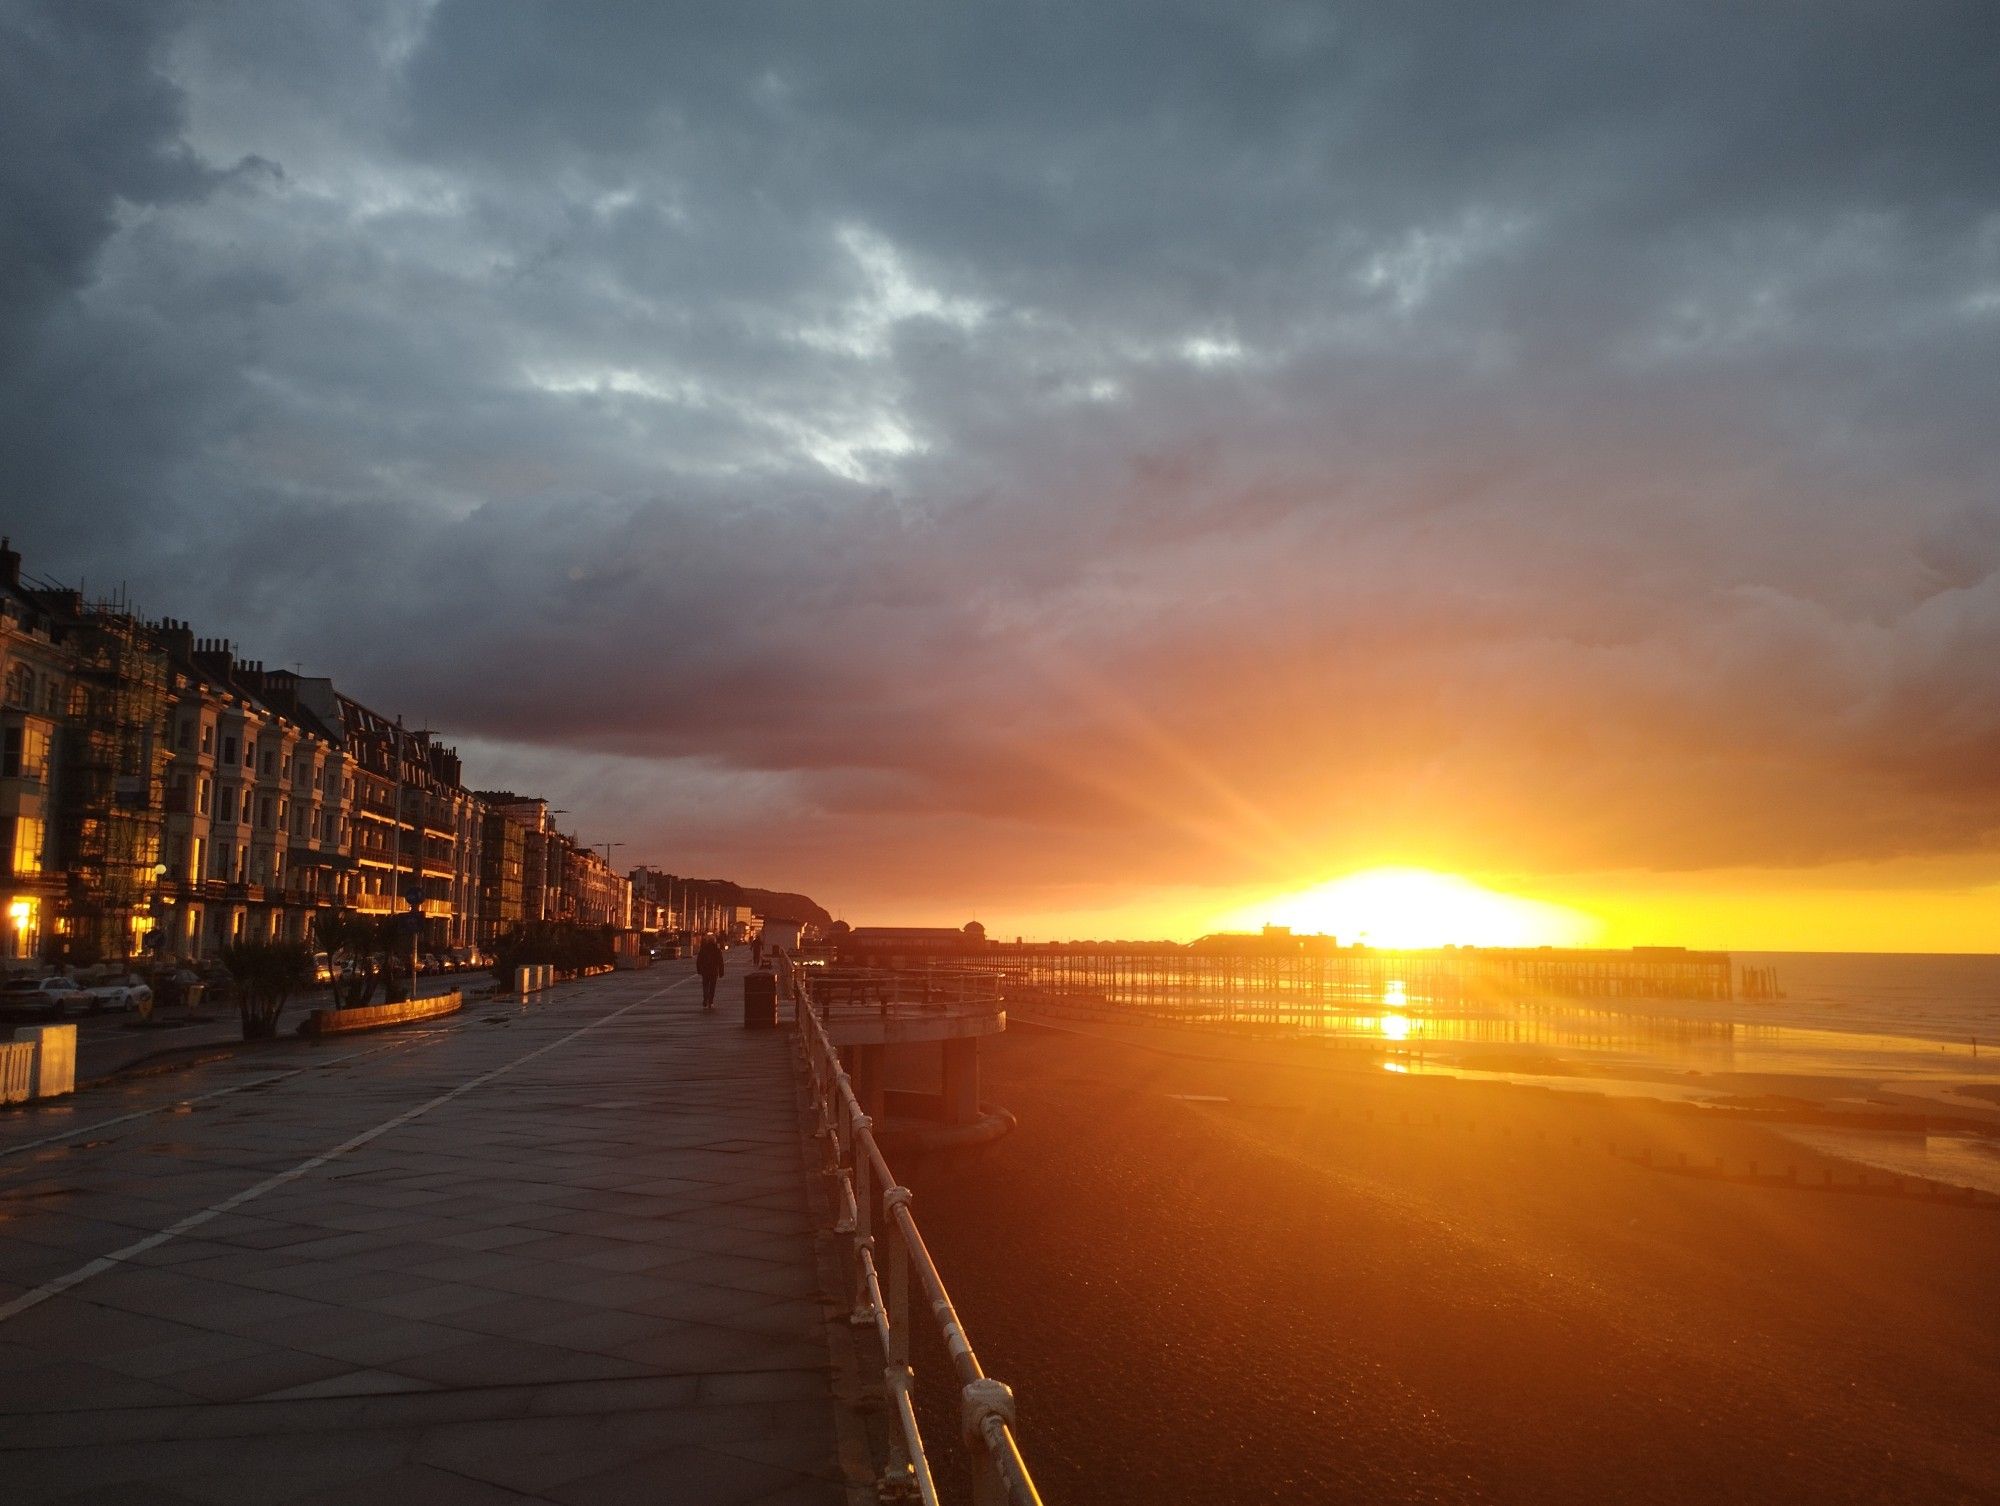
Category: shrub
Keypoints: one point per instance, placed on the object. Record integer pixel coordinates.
(266, 974)
(366, 941)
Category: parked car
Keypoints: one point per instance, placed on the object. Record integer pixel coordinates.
(49, 997)
(127, 992)
(181, 988)
(219, 987)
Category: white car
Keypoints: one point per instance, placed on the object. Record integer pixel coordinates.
(128, 992)
(49, 997)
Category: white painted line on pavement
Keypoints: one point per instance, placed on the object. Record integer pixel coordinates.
(116, 1258)
(239, 1087)
(440, 1030)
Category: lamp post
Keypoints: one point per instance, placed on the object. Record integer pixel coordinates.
(612, 887)
(607, 846)
(413, 888)
(554, 811)
(156, 935)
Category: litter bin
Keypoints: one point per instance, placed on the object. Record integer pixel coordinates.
(760, 1001)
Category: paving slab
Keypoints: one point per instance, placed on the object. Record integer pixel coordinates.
(560, 1253)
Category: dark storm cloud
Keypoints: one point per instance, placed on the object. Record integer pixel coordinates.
(1373, 426)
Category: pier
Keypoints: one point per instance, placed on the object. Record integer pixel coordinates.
(1304, 981)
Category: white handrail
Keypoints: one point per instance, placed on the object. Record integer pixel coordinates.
(866, 1190)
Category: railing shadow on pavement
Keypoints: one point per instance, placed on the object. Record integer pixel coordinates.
(867, 1195)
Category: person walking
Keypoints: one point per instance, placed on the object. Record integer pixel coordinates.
(708, 962)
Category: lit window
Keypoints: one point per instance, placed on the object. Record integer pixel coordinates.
(25, 847)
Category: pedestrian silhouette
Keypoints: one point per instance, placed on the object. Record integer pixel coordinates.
(708, 962)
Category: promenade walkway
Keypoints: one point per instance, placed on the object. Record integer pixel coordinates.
(557, 1254)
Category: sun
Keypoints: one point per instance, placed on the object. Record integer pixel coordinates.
(1417, 907)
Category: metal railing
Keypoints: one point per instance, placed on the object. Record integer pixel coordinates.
(841, 990)
(867, 1196)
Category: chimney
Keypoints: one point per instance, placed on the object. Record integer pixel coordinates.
(216, 657)
(179, 638)
(10, 563)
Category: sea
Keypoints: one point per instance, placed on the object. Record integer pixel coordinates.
(1913, 1038)
(1891, 1060)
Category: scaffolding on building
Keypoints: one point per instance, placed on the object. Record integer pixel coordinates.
(114, 763)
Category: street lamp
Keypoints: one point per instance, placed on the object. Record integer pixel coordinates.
(156, 906)
(609, 903)
(559, 810)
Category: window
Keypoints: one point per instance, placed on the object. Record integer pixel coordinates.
(208, 737)
(229, 750)
(264, 813)
(184, 735)
(203, 795)
(270, 763)
(25, 753)
(197, 856)
(229, 802)
(222, 862)
(21, 686)
(249, 754)
(24, 846)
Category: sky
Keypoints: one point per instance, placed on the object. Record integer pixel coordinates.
(1100, 470)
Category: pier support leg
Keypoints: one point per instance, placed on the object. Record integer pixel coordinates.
(961, 1081)
(865, 1072)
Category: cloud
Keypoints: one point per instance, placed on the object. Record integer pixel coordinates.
(1054, 443)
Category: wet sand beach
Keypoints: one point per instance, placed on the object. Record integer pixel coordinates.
(1213, 1278)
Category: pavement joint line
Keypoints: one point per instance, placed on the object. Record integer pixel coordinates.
(239, 1087)
(103, 1263)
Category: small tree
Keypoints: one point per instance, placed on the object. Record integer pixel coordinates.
(366, 940)
(266, 974)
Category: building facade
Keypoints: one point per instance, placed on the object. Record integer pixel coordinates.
(161, 796)
(35, 667)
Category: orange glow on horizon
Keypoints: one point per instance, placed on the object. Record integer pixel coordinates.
(1889, 907)
(1417, 907)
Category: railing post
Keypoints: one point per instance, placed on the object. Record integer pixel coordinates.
(980, 1400)
(864, 1220)
(899, 1277)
